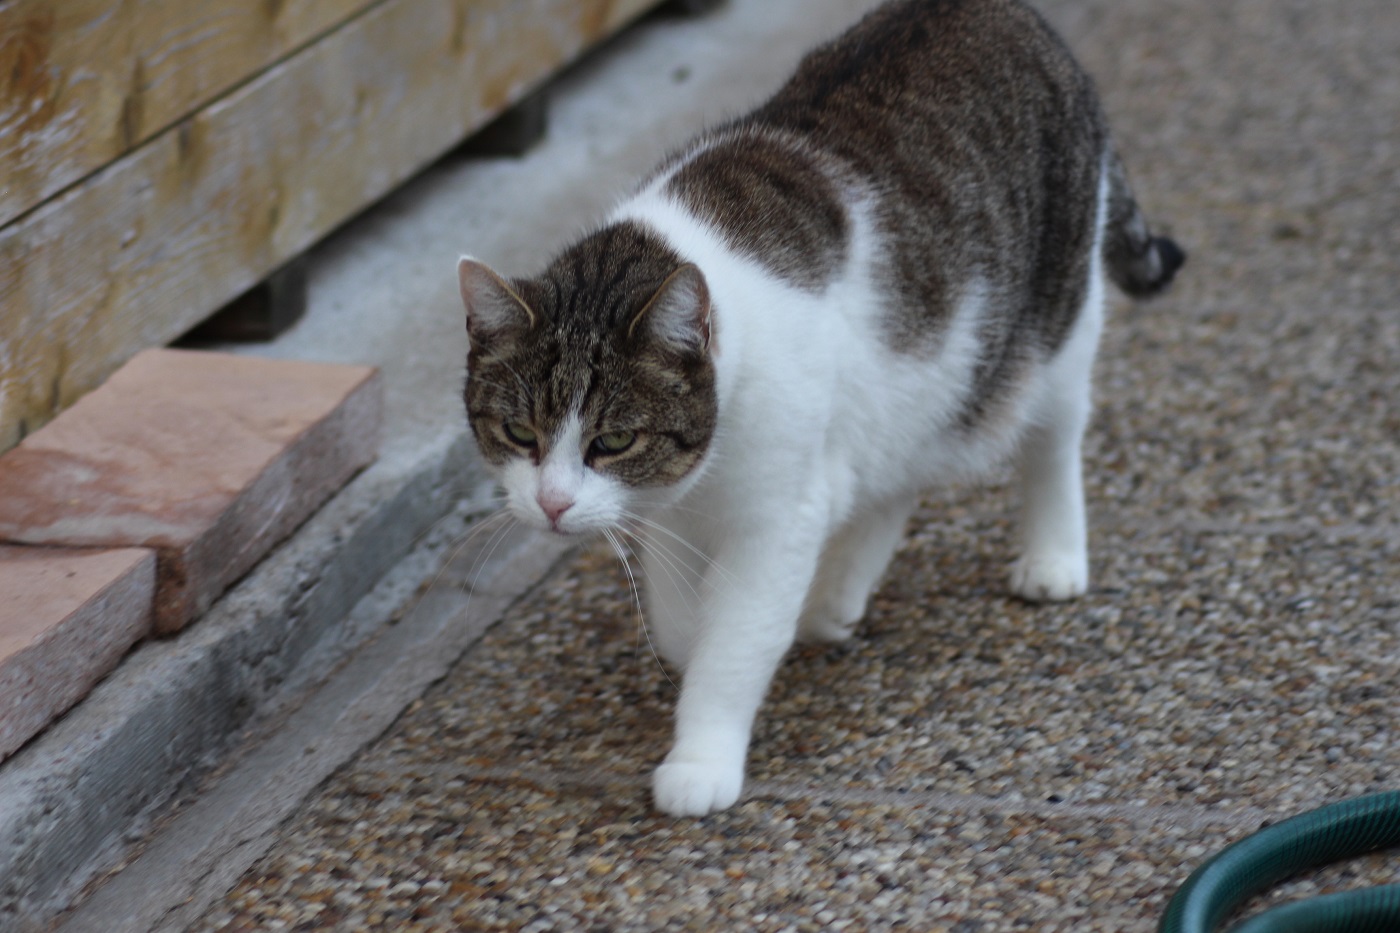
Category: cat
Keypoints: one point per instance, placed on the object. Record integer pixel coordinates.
(888, 276)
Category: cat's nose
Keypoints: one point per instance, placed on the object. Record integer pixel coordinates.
(554, 506)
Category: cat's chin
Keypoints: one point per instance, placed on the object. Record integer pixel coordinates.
(565, 530)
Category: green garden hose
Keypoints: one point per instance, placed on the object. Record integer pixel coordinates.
(1341, 830)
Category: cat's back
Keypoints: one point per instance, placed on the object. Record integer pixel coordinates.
(920, 56)
(953, 82)
(965, 125)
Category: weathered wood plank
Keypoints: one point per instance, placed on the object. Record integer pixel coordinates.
(140, 252)
(84, 81)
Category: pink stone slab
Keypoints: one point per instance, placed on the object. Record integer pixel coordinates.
(209, 458)
(66, 619)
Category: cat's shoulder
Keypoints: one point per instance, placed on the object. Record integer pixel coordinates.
(770, 196)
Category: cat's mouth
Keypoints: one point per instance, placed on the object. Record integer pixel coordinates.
(557, 528)
(571, 521)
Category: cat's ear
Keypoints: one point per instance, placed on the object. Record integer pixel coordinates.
(678, 315)
(493, 307)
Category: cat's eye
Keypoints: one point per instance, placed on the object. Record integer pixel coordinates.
(614, 442)
(520, 434)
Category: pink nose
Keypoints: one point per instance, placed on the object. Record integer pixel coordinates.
(554, 507)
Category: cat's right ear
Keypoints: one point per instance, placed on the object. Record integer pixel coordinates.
(493, 307)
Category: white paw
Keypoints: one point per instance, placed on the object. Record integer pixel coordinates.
(695, 788)
(1050, 577)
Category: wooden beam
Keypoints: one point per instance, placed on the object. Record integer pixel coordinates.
(85, 81)
(140, 252)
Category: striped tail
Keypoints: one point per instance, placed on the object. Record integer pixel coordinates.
(1138, 262)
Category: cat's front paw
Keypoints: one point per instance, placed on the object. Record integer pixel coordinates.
(695, 788)
(1050, 577)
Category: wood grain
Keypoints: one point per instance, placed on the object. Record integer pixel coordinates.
(85, 81)
(141, 251)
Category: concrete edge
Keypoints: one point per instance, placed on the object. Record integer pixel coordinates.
(206, 847)
(331, 451)
(80, 795)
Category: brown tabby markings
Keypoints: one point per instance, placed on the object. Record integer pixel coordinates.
(1138, 262)
(771, 201)
(579, 357)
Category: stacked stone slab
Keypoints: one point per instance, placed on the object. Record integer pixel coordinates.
(129, 514)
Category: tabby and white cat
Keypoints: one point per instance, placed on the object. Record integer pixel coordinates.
(888, 276)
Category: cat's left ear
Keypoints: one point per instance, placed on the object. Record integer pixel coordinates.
(678, 315)
(493, 307)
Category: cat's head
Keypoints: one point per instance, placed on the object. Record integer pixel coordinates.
(591, 387)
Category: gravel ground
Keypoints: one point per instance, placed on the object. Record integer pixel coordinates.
(970, 762)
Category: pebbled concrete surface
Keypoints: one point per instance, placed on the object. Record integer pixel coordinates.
(969, 762)
(211, 841)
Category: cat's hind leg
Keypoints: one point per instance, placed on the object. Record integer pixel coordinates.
(851, 566)
(1054, 561)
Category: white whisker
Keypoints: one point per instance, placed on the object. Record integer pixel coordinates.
(482, 560)
(651, 504)
(672, 564)
(457, 546)
(637, 598)
(657, 526)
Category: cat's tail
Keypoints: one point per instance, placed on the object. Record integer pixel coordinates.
(1138, 262)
